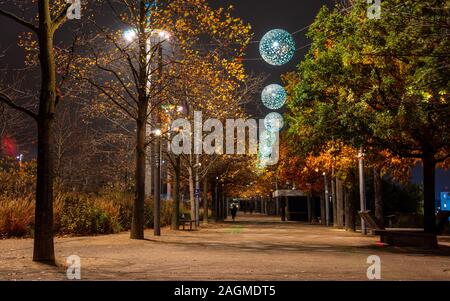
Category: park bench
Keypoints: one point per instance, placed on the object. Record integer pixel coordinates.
(184, 222)
(371, 221)
(404, 238)
(442, 220)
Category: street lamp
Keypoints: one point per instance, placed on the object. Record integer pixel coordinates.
(327, 204)
(130, 35)
(216, 199)
(163, 34)
(157, 133)
(197, 191)
(362, 189)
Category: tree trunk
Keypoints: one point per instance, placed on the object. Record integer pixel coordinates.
(339, 204)
(378, 196)
(138, 220)
(205, 201)
(349, 199)
(429, 172)
(43, 230)
(137, 223)
(176, 195)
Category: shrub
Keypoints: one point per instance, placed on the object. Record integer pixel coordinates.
(166, 213)
(76, 216)
(17, 182)
(73, 213)
(83, 216)
(106, 217)
(16, 217)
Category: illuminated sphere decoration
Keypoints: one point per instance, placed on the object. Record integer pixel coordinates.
(274, 97)
(277, 47)
(267, 138)
(273, 122)
(265, 151)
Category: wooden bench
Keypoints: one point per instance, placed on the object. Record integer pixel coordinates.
(401, 238)
(184, 222)
(442, 220)
(372, 222)
(406, 238)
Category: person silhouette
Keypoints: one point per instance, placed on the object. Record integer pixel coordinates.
(233, 212)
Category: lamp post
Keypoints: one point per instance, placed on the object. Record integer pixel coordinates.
(362, 189)
(327, 201)
(157, 184)
(153, 170)
(216, 199)
(197, 190)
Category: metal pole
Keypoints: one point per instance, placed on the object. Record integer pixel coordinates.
(157, 166)
(362, 189)
(216, 200)
(327, 201)
(197, 192)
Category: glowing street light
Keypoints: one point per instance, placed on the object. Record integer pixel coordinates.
(129, 35)
(157, 133)
(163, 34)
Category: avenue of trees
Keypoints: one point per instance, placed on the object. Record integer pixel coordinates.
(101, 92)
(377, 85)
(108, 92)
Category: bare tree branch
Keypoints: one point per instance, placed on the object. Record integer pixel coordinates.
(19, 20)
(7, 100)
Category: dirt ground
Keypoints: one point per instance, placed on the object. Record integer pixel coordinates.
(253, 248)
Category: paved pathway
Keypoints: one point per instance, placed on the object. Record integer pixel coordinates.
(253, 248)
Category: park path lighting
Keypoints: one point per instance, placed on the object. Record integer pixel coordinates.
(197, 190)
(277, 47)
(216, 199)
(158, 36)
(274, 97)
(362, 189)
(130, 35)
(327, 201)
(157, 133)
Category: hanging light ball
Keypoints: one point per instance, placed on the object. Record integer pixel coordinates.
(274, 97)
(267, 138)
(265, 151)
(263, 158)
(277, 47)
(273, 122)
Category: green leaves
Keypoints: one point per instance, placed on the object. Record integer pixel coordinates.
(379, 82)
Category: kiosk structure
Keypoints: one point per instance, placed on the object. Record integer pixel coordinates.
(293, 205)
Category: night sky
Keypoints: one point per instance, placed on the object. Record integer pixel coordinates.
(263, 15)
